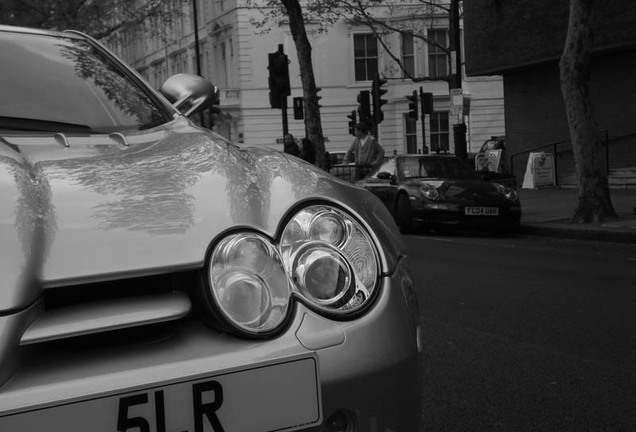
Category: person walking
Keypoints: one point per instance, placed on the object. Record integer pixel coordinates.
(290, 146)
(307, 151)
(365, 152)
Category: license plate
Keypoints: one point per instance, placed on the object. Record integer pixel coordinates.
(280, 397)
(482, 211)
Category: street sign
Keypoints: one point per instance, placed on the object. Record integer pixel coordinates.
(539, 171)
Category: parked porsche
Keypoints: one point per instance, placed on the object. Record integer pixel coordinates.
(442, 191)
(158, 278)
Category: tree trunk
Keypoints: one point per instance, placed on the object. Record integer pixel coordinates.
(593, 200)
(303, 49)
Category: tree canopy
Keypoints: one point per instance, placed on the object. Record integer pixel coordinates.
(382, 18)
(98, 18)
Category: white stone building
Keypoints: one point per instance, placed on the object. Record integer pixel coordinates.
(234, 56)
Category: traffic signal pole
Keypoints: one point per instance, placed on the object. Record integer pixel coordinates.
(283, 110)
(423, 118)
(197, 52)
(413, 111)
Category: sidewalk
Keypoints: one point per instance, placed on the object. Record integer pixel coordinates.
(546, 212)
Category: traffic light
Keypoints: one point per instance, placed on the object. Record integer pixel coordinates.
(352, 122)
(413, 105)
(214, 108)
(298, 108)
(278, 65)
(376, 93)
(364, 106)
(427, 102)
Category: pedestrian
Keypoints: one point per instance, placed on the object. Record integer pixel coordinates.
(307, 151)
(365, 152)
(290, 146)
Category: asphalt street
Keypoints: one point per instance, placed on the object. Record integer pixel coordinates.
(527, 333)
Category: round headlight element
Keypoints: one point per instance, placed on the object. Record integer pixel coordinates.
(328, 227)
(243, 296)
(323, 274)
(248, 283)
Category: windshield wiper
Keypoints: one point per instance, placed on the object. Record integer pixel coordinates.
(35, 125)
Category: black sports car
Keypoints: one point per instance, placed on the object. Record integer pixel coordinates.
(442, 191)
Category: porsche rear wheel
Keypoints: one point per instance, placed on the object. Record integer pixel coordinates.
(404, 214)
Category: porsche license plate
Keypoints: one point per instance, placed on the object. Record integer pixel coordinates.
(278, 397)
(482, 211)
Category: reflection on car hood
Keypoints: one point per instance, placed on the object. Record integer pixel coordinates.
(98, 211)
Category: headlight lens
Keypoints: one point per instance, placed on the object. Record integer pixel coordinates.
(322, 274)
(509, 193)
(324, 256)
(429, 191)
(248, 283)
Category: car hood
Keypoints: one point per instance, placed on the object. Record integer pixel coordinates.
(463, 191)
(99, 209)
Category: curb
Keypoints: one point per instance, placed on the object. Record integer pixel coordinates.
(579, 233)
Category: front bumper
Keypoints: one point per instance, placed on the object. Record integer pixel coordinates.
(367, 368)
(439, 214)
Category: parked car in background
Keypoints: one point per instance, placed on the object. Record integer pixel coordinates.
(156, 277)
(442, 191)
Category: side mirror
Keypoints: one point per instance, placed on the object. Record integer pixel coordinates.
(384, 175)
(190, 93)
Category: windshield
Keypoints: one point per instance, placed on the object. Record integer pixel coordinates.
(54, 84)
(435, 167)
(387, 167)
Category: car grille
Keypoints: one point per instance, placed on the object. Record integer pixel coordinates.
(97, 308)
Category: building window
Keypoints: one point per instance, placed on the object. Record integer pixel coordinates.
(437, 56)
(408, 55)
(219, 6)
(410, 134)
(365, 53)
(439, 131)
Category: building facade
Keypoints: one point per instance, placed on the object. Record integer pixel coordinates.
(523, 41)
(233, 54)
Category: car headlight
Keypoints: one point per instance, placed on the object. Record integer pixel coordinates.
(429, 191)
(330, 259)
(509, 193)
(248, 283)
(324, 258)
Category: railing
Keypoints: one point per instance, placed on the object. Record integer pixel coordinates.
(348, 172)
(554, 146)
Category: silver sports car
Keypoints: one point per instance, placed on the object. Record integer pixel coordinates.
(158, 278)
